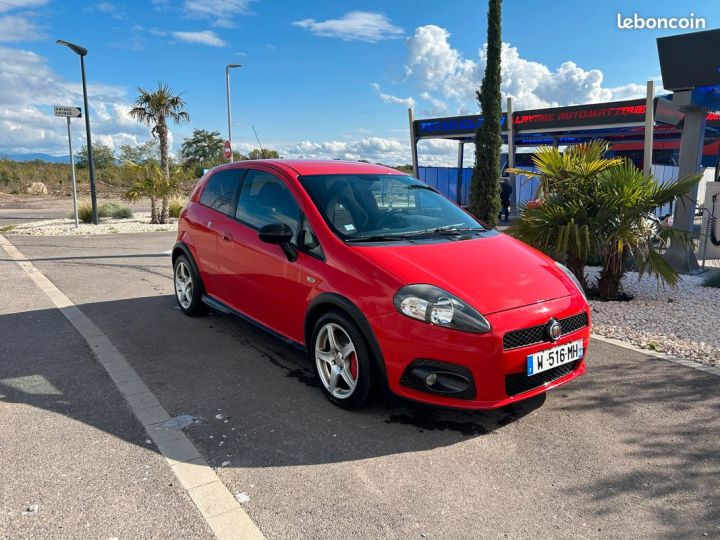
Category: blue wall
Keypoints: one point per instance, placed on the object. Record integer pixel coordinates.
(444, 179)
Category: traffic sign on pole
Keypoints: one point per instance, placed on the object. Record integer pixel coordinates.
(68, 112)
(227, 150)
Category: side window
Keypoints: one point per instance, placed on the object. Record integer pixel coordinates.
(307, 240)
(219, 192)
(264, 199)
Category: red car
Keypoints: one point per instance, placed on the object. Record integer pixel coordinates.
(382, 280)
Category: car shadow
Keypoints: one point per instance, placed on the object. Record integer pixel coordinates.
(255, 399)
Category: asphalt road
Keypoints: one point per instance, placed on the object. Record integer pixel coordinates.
(628, 450)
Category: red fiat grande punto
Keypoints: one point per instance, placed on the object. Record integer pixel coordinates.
(382, 280)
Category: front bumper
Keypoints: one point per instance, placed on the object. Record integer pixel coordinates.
(495, 371)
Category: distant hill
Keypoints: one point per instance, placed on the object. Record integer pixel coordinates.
(34, 157)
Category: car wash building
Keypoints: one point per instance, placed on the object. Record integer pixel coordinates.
(669, 137)
(623, 124)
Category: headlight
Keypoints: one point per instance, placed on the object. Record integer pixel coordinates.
(435, 306)
(569, 274)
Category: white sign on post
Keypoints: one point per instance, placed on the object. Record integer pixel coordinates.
(69, 112)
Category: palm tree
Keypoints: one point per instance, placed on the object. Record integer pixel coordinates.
(155, 109)
(151, 181)
(565, 222)
(628, 198)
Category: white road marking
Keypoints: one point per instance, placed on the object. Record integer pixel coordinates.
(664, 356)
(219, 508)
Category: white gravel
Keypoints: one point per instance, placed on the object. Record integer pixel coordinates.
(66, 227)
(682, 321)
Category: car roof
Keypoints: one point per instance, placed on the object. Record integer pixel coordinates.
(322, 166)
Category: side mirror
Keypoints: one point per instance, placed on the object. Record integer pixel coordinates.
(280, 234)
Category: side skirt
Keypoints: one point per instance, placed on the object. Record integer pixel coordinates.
(217, 305)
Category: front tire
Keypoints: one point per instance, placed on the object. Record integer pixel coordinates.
(342, 360)
(188, 291)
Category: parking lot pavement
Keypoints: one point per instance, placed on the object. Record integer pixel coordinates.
(628, 450)
(75, 462)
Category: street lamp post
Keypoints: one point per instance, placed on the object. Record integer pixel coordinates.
(227, 96)
(81, 52)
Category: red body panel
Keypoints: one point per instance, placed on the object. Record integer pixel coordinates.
(493, 274)
(511, 284)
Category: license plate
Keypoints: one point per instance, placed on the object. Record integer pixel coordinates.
(552, 358)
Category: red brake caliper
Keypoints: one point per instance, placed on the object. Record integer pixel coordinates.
(353, 366)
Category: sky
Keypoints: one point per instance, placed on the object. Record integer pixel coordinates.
(321, 79)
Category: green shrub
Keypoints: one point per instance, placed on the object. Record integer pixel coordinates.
(122, 212)
(713, 280)
(176, 206)
(106, 209)
(84, 212)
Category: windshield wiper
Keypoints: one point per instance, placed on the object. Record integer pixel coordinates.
(452, 230)
(379, 238)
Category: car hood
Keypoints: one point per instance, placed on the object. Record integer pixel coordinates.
(493, 273)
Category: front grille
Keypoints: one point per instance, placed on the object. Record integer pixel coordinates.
(518, 383)
(536, 334)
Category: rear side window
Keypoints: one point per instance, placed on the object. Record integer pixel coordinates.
(219, 192)
(264, 199)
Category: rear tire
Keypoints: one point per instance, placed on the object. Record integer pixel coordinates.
(342, 360)
(188, 289)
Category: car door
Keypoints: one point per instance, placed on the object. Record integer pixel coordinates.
(259, 279)
(216, 201)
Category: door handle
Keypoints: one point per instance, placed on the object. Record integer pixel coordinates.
(227, 236)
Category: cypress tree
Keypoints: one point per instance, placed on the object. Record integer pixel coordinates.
(485, 183)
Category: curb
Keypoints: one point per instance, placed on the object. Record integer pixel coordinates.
(663, 356)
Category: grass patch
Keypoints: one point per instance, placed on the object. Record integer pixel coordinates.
(85, 213)
(176, 206)
(105, 210)
(6, 228)
(713, 280)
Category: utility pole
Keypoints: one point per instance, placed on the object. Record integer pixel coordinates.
(227, 97)
(82, 52)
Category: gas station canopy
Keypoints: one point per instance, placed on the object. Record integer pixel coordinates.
(614, 121)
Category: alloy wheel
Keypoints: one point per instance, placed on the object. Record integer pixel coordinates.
(183, 285)
(336, 360)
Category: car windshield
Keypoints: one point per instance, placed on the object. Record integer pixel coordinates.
(364, 207)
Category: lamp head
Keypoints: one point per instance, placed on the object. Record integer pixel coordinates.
(82, 51)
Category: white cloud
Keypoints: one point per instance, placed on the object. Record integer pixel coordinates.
(108, 8)
(389, 98)
(438, 106)
(354, 26)
(391, 151)
(221, 12)
(30, 88)
(9, 5)
(445, 76)
(19, 28)
(205, 37)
